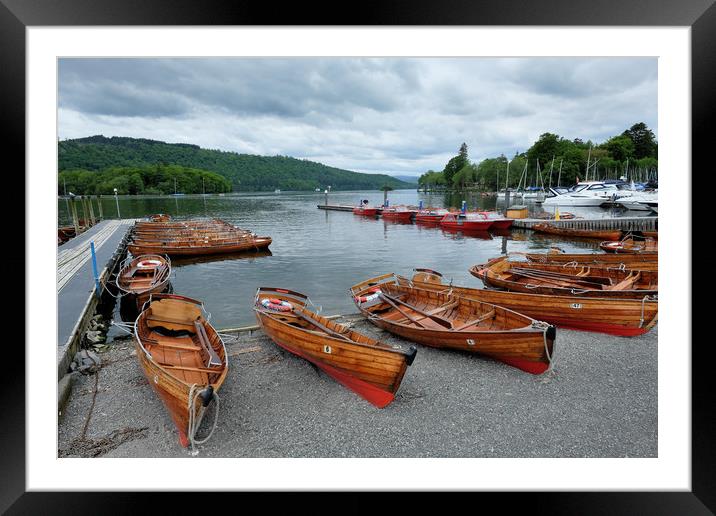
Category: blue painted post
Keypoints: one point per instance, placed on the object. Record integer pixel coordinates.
(94, 270)
(420, 204)
(464, 207)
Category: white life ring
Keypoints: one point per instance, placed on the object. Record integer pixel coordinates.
(375, 295)
(276, 304)
(148, 264)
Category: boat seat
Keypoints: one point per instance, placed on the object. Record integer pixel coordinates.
(627, 283)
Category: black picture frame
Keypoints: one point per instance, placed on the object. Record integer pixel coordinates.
(699, 15)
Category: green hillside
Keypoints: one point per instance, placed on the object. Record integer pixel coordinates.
(246, 172)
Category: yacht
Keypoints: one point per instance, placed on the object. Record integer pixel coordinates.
(588, 193)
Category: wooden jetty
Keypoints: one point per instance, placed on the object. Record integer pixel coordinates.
(335, 207)
(623, 223)
(76, 291)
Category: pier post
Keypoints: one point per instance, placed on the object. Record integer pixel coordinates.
(420, 204)
(75, 221)
(463, 209)
(91, 211)
(326, 192)
(83, 201)
(99, 207)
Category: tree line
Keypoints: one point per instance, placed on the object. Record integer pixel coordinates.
(245, 172)
(632, 154)
(147, 180)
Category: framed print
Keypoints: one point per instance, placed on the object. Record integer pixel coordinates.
(68, 71)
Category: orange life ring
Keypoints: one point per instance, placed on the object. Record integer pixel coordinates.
(376, 293)
(149, 264)
(276, 304)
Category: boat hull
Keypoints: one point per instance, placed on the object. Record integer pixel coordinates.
(196, 250)
(623, 317)
(580, 233)
(365, 212)
(371, 369)
(507, 336)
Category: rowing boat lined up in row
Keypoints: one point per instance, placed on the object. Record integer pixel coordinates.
(624, 261)
(540, 278)
(447, 321)
(631, 246)
(364, 365)
(580, 233)
(624, 317)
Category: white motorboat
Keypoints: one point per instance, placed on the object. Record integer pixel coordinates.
(588, 193)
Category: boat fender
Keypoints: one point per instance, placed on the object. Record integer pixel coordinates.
(207, 395)
(375, 295)
(551, 333)
(277, 304)
(411, 355)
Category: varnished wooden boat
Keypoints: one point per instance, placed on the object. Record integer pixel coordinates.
(631, 246)
(465, 222)
(626, 261)
(364, 365)
(651, 234)
(624, 317)
(183, 358)
(160, 217)
(539, 278)
(580, 233)
(200, 247)
(442, 320)
(144, 275)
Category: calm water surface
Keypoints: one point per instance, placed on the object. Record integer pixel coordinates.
(322, 253)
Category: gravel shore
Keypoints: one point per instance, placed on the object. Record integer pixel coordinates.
(600, 400)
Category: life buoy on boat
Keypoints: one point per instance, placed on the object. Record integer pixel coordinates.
(148, 264)
(364, 299)
(276, 304)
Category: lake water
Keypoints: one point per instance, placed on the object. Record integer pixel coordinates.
(322, 253)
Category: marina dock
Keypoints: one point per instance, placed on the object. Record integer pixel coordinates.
(76, 290)
(335, 207)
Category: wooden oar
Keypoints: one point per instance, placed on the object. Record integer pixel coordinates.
(442, 322)
(321, 326)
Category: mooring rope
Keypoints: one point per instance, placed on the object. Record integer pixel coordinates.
(194, 423)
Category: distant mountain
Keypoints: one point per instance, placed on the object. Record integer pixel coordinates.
(247, 172)
(413, 180)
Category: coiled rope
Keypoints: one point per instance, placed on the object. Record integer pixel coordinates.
(195, 422)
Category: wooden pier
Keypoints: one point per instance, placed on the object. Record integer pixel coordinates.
(76, 291)
(335, 207)
(623, 223)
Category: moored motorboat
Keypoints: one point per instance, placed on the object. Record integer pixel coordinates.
(430, 215)
(200, 246)
(580, 233)
(183, 359)
(397, 213)
(471, 221)
(368, 367)
(624, 317)
(141, 276)
(499, 221)
(366, 211)
(443, 320)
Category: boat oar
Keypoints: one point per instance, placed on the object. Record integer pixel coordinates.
(392, 300)
(323, 327)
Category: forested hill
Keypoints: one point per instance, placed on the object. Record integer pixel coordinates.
(246, 172)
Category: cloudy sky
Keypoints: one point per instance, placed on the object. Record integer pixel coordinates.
(400, 116)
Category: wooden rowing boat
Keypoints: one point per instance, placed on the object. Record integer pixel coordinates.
(624, 317)
(443, 320)
(144, 275)
(539, 278)
(364, 365)
(631, 246)
(160, 217)
(200, 247)
(580, 233)
(627, 261)
(499, 221)
(183, 359)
